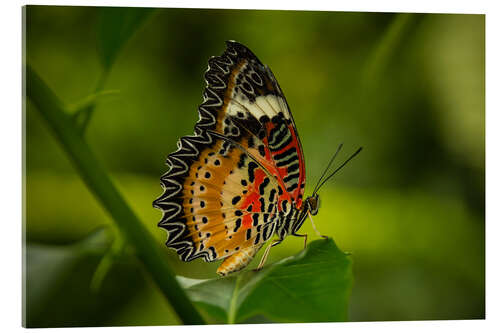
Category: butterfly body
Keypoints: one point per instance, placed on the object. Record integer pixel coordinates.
(239, 180)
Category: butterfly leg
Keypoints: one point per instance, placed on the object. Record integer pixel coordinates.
(314, 227)
(305, 238)
(266, 253)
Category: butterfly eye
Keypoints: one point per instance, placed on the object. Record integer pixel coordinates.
(314, 204)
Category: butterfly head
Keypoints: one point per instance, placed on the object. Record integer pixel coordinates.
(312, 204)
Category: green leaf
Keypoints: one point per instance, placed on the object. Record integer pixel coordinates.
(312, 286)
(49, 266)
(388, 45)
(116, 26)
(82, 110)
(58, 286)
(90, 100)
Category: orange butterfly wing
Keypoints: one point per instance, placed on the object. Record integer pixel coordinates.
(231, 182)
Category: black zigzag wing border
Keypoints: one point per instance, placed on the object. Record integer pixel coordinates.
(189, 148)
(217, 78)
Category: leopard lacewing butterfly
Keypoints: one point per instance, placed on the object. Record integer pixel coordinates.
(240, 178)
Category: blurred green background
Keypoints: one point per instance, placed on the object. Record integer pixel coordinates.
(409, 88)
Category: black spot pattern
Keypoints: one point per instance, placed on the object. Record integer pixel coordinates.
(251, 167)
(263, 185)
(237, 224)
(251, 142)
(236, 199)
(272, 194)
(262, 150)
(257, 239)
(262, 205)
(293, 167)
(255, 218)
(270, 207)
(241, 162)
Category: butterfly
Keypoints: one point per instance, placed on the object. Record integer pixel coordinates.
(239, 179)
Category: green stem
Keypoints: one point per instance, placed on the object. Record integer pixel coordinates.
(100, 184)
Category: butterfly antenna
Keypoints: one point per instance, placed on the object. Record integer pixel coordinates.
(327, 167)
(340, 167)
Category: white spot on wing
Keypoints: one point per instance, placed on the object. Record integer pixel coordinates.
(234, 108)
(263, 104)
(269, 105)
(278, 104)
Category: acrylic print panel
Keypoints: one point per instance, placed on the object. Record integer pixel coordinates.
(225, 121)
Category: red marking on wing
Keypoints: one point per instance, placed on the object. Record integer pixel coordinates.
(281, 172)
(252, 198)
(249, 199)
(247, 221)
